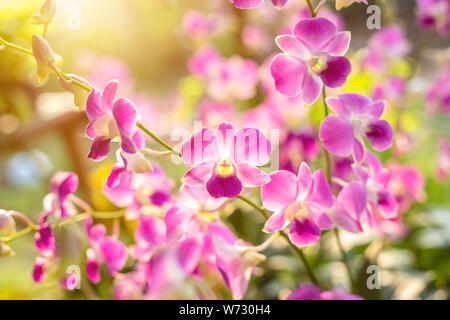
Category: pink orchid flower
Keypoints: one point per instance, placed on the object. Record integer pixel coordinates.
(41, 265)
(61, 186)
(357, 116)
(313, 292)
(104, 250)
(110, 119)
(235, 259)
(366, 200)
(198, 25)
(44, 239)
(407, 184)
(250, 4)
(299, 203)
(132, 190)
(434, 14)
(225, 160)
(313, 56)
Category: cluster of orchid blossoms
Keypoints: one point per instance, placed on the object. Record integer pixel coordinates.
(183, 249)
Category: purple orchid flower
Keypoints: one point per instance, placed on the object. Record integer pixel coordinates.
(357, 116)
(104, 250)
(299, 203)
(110, 119)
(225, 160)
(313, 56)
(61, 186)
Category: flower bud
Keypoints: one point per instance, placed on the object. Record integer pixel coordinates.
(45, 58)
(46, 13)
(7, 223)
(80, 94)
(6, 251)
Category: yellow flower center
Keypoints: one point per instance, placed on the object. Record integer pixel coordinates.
(318, 63)
(224, 169)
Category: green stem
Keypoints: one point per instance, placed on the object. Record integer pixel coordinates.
(69, 221)
(294, 248)
(311, 8)
(156, 138)
(327, 154)
(328, 173)
(345, 260)
(15, 47)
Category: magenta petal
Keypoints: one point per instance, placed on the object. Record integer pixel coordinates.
(323, 221)
(251, 176)
(108, 94)
(306, 292)
(376, 109)
(276, 221)
(356, 103)
(114, 177)
(90, 130)
(92, 267)
(345, 221)
(94, 109)
(337, 71)
(247, 4)
(338, 45)
(337, 135)
(224, 138)
(352, 199)
(291, 46)
(281, 191)
(151, 231)
(228, 187)
(387, 204)
(380, 134)
(115, 254)
(338, 107)
(250, 146)
(39, 271)
(321, 196)
(288, 73)
(99, 149)
(305, 180)
(125, 114)
(189, 252)
(315, 32)
(198, 175)
(359, 151)
(279, 3)
(312, 85)
(304, 233)
(200, 148)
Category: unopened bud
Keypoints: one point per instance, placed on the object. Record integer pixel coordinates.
(7, 223)
(80, 94)
(45, 58)
(46, 13)
(6, 251)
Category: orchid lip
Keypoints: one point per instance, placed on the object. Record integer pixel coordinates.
(224, 168)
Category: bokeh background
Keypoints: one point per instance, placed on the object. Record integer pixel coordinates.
(144, 45)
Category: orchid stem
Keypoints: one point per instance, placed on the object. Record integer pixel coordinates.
(311, 8)
(345, 260)
(294, 248)
(157, 139)
(329, 178)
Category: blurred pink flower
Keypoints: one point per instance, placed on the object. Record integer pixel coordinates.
(313, 292)
(434, 14)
